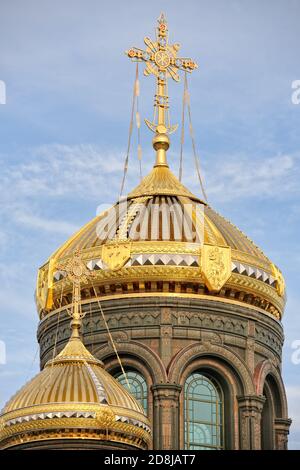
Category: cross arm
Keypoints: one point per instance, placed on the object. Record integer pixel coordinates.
(138, 55)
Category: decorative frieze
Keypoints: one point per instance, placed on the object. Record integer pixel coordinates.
(268, 338)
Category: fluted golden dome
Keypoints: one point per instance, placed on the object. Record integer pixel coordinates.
(162, 238)
(74, 398)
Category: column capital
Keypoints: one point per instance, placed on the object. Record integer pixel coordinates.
(283, 422)
(251, 402)
(166, 390)
(282, 429)
(166, 408)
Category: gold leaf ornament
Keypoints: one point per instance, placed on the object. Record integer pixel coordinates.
(115, 255)
(280, 282)
(215, 266)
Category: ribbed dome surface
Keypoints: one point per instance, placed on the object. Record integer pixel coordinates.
(149, 224)
(162, 232)
(161, 181)
(74, 391)
(72, 383)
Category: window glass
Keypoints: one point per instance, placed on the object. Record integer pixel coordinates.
(138, 386)
(203, 411)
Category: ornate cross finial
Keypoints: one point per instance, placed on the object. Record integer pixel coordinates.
(77, 272)
(161, 60)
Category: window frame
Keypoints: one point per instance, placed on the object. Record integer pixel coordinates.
(219, 403)
(144, 401)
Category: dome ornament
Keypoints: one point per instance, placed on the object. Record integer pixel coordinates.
(116, 254)
(78, 273)
(280, 283)
(162, 62)
(215, 266)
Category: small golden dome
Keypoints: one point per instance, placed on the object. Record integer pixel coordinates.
(161, 181)
(74, 398)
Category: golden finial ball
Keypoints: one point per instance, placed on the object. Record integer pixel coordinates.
(161, 141)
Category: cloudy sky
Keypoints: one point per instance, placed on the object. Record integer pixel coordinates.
(64, 129)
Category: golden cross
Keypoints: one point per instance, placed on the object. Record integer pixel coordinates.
(162, 61)
(78, 273)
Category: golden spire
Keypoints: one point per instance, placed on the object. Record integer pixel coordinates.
(162, 61)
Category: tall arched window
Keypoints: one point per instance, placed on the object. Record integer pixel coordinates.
(203, 413)
(138, 386)
(267, 420)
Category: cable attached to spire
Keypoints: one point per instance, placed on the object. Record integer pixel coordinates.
(186, 102)
(78, 273)
(138, 123)
(134, 106)
(111, 338)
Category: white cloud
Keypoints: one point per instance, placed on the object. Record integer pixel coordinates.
(34, 186)
(58, 170)
(52, 173)
(236, 176)
(46, 225)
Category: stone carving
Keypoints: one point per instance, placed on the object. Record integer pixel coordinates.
(250, 407)
(210, 321)
(268, 338)
(192, 352)
(212, 338)
(166, 331)
(139, 351)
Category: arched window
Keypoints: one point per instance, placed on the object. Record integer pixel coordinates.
(267, 420)
(203, 413)
(138, 386)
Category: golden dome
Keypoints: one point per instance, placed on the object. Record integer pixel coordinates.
(73, 397)
(162, 238)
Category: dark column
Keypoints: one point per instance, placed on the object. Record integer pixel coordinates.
(166, 416)
(250, 408)
(282, 427)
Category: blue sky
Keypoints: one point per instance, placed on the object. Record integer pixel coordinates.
(64, 128)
